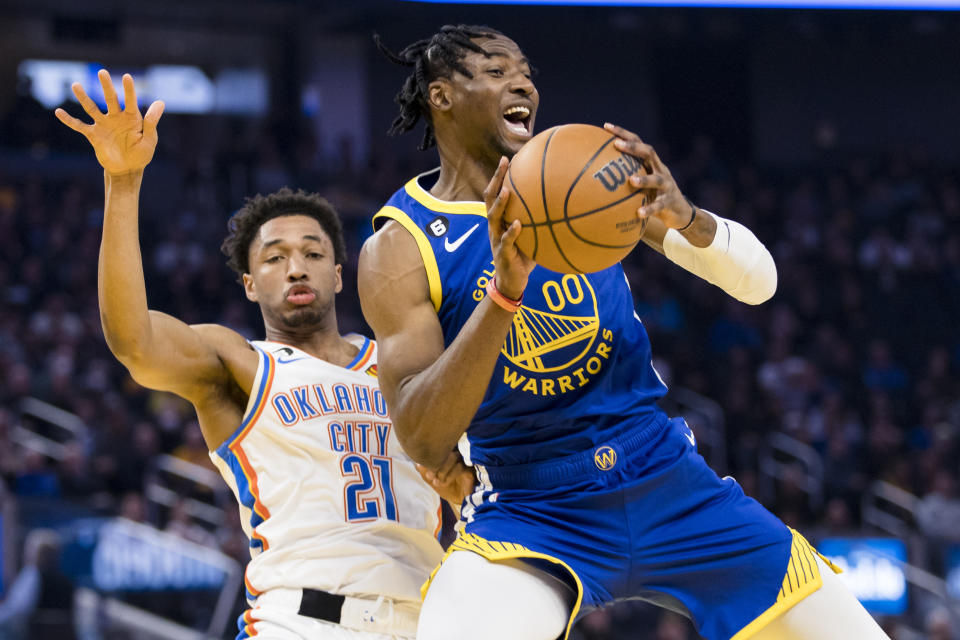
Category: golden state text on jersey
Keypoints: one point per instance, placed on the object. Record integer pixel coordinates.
(575, 367)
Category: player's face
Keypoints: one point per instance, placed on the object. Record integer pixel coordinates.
(293, 275)
(499, 103)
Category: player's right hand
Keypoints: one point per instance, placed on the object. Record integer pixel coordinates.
(453, 480)
(511, 266)
(123, 140)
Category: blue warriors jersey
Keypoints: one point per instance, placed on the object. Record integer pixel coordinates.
(579, 473)
(575, 369)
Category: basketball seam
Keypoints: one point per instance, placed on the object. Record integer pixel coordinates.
(600, 244)
(543, 191)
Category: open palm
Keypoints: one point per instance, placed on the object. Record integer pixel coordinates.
(123, 140)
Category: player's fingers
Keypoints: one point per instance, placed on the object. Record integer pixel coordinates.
(152, 117)
(637, 148)
(510, 236)
(449, 465)
(129, 94)
(495, 186)
(651, 209)
(109, 92)
(654, 181)
(495, 209)
(426, 474)
(620, 132)
(89, 106)
(77, 125)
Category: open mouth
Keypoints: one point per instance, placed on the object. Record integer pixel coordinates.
(518, 119)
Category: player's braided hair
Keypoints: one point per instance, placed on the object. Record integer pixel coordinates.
(435, 57)
(245, 223)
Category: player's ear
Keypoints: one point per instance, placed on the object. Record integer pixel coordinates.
(249, 287)
(338, 287)
(438, 94)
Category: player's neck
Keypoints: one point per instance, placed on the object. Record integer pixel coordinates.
(462, 176)
(325, 343)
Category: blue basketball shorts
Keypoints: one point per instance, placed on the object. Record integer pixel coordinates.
(643, 517)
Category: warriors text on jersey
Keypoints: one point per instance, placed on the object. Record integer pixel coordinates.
(327, 497)
(575, 368)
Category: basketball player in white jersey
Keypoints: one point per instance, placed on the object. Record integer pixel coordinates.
(343, 530)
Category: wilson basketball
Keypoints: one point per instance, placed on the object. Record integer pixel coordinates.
(570, 190)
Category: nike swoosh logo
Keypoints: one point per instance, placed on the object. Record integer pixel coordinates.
(289, 360)
(453, 246)
(691, 438)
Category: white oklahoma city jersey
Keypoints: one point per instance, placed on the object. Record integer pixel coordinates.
(327, 497)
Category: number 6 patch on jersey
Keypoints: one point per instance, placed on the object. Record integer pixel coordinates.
(368, 491)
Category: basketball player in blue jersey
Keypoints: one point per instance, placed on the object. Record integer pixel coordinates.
(587, 493)
(342, 528)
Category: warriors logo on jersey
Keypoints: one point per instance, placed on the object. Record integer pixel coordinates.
(556, 343)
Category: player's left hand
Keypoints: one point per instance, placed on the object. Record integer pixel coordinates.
(123, 139)
(669, 205)
(453, 480)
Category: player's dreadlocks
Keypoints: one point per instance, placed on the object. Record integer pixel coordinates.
(256, 211)
(431, 58)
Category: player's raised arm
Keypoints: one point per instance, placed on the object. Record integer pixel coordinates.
(722, 252)
(161, 352)
(433, 392)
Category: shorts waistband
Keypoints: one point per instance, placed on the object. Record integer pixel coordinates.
(602, 457)
(378, 615)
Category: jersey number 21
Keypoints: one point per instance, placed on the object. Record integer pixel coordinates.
(368, 491)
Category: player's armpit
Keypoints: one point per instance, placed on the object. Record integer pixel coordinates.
(190, 361)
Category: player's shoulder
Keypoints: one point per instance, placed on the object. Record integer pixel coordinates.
(390, 248)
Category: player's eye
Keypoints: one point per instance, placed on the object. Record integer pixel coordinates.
(314, 255)
(496, 73)
(272, 259)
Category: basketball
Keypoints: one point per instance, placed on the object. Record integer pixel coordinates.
(570, 190)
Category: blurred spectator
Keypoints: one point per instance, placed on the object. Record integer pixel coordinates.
(193, 449)
(181, 523)
(939, 625)
(938, 513)
(39, 603)
(36, 477)
(133, 506)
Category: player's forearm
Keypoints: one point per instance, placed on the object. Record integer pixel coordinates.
(120, 282)
(434, 407)
(724, 253)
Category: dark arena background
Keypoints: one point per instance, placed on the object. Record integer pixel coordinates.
(833, 134)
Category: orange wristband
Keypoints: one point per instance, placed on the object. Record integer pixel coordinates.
(501, 300)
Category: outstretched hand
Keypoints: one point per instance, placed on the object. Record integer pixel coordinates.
(123, 140)
(670, 205)
(511, 266)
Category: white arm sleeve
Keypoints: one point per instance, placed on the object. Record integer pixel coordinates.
(736, 261)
